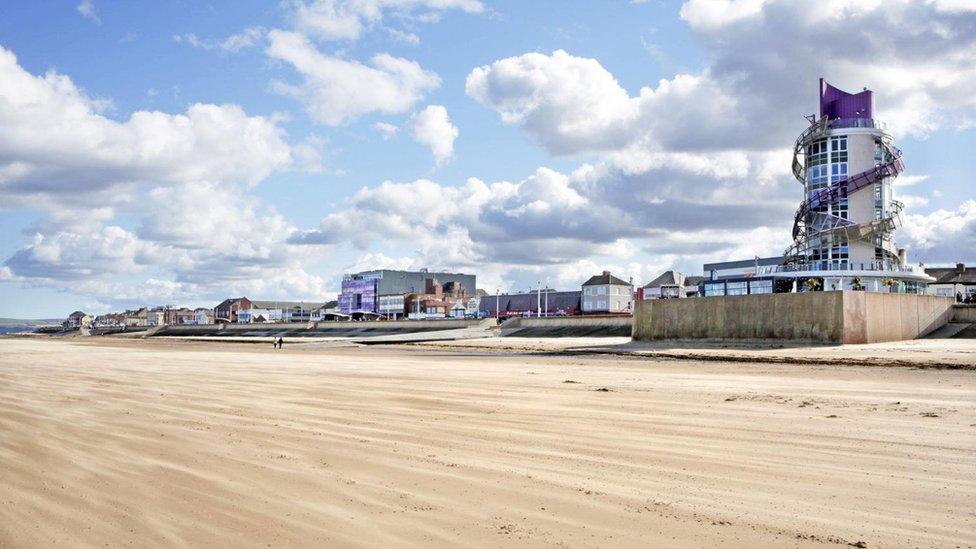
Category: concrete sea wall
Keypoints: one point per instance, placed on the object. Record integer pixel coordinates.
(963, 313)
(569, 326)
(828, 317)
(316, 329)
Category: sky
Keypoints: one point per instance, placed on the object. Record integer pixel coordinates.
(183, 152)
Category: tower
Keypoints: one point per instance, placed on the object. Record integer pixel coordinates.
(843, 230)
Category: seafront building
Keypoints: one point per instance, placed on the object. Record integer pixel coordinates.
(545, 302)
(671, 285)
(383, 292)
(607, 294)
(77, 319)
(958, 282)
(843, 230)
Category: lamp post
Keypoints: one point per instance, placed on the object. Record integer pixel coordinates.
(547, 297)
(498, 292)
(538, 299)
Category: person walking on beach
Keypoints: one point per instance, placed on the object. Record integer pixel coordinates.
(280, 342)
(274, 343)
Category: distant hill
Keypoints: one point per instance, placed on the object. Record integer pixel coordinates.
(30, 321)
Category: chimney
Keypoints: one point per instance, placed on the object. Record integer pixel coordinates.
(960, 267)
(606, 273)
(902, 256)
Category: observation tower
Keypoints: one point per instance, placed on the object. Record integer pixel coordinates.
(843, 231)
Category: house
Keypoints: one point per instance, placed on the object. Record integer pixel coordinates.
(227, 310)
(203, 315)
(138, 317)
(605, 293)
(77, 319)
(156, 317)
(181, 315)
(436, 301)
(109, 320)
(670, 285)
(958, 281)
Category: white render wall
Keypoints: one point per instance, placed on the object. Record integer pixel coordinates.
(614, 299)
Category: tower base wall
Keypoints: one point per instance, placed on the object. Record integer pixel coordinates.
(826, 317)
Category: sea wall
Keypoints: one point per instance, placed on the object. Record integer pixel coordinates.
(963, 313)
(316, 329)
(569, 326)
(827, 317)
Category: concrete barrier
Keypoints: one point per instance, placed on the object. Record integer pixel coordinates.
(828, 317)
(963, 313)
(317, 329)
(569, 326)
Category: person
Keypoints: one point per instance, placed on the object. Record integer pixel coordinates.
(274, 343)
(280, 342)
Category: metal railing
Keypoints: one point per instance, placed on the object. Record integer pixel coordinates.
(877, 266)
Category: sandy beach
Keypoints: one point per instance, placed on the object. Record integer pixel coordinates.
(160, 443)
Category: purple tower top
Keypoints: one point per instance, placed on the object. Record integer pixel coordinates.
(836, 103)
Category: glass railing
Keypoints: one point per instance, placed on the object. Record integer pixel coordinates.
(858, 123)
(832, 266)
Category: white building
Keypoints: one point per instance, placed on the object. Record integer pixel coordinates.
(605, 293)
(844, 228)
(671, 285)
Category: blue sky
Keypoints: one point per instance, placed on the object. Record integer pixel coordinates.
(181, 152)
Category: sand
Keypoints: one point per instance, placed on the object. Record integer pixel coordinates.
(151, 443)
(917, 353)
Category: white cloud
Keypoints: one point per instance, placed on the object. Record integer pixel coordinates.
(920, 61)
(432, 127)
(349, 19)
(336, 90)
(56, 142)
(711, 14)
(405, 37)
(944, 236)
(246, 38)
(907, 180)
(179, 179)
(570, 104)
(387, 130)
(87, 10)
(71, 255)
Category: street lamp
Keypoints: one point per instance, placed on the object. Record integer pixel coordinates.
(498, 292)
(547, 297)
(538, 299)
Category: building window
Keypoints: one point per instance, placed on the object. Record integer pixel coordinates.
(838, 149)
(601, 290)
(817, 153)
(714, 288)
(736, 288)
(760, 286)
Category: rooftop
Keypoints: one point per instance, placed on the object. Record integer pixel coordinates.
(960, 274)
(605, 278)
